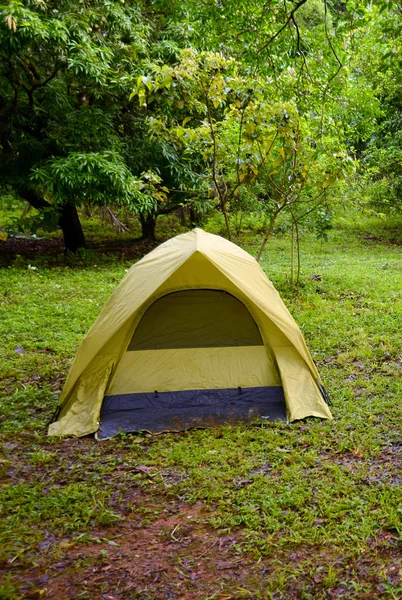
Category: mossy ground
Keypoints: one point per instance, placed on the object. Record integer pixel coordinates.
(307, 510)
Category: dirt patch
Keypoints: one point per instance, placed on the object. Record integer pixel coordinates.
(177, 556)
(386, 468)
(29, 248)
(51, 250)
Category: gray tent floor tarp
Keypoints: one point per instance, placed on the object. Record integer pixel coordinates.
(177, 411)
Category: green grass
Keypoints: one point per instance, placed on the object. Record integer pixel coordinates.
(318, 503)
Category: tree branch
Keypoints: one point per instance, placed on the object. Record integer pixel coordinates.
(222, 197)
(278, 33)
(299, 49)
(340, 65)
(34, 199)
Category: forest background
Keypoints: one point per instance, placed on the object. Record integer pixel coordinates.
(269, 109)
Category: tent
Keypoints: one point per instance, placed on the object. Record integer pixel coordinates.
(194, 335)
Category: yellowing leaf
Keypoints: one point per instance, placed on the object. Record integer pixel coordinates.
(11, 22)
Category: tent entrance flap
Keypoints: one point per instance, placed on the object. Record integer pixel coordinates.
(177, 411)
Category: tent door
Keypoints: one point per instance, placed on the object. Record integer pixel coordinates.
(196, 358)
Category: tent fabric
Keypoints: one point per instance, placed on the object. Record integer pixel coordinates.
(173, 411)
(192, 261)
(185, 369)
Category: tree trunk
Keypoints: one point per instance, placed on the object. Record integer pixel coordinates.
(269, 231)
(148, 225)
(195, 217)
(69, 221)
(225, 214)
(71, 227)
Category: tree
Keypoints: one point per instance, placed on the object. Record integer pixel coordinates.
(68, 129)
(236, 135)
(380, 64)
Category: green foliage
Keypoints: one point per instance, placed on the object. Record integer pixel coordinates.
(213, 98)
(378, 65)
(229, 128)
(323, 224)
(90, 176)
(71, 134)
(8, 590)
(45, 221)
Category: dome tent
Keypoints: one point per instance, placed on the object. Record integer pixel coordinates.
(195, 334)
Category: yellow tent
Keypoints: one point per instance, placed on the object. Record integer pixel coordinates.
(195, 334)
